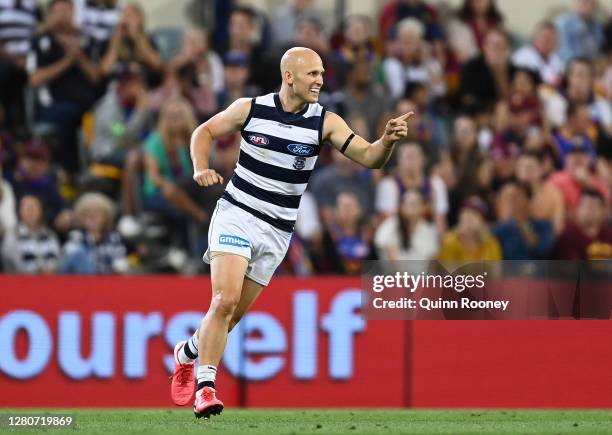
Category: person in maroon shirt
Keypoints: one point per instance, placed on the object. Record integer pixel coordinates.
(589, 237)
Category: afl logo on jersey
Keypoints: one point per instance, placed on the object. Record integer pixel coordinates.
(258, 139)
(300, 149)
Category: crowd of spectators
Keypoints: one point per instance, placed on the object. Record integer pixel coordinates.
(509, 154)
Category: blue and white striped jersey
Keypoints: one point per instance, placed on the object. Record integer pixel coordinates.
(278, 152)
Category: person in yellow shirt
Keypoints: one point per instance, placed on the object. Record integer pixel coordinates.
(471, 239)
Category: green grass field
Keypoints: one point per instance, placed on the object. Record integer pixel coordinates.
(319, 421)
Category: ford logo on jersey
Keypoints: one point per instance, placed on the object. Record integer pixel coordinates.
(300, 149)
(226, 239)
(258, 139)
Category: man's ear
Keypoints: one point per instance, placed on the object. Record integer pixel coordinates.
(288, 75)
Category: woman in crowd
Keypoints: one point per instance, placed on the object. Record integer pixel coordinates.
(407, 235)
(31, 247)
(94, 248)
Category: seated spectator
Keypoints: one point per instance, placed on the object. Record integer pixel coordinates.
(341, 176)
(546, 200)
(541, 55)
(94, 248)
(407, 235)
(31, 247)
(130, 43)
(168, 165)
(574, 133)
(243, 38)
(65, 76)
(410, 174)
(413, 62)
(471, 240)
(122, 118)
(520, 236)
(191, 74)
(589, 236)
(397, 10)
(486, 78)
(356, 45)
(346, 241)
(515, 118)
(18, 21)
(97, 19)
(577, 176)
(363, 98)
(8, 217)
(466, 33)
(235, 80)
(33, 176)
(287, 17)
(579, 89)
(580, 32)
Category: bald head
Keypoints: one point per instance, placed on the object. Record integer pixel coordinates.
(302, 73)
(297, 57)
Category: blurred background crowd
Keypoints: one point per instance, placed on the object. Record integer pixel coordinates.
(509, 154)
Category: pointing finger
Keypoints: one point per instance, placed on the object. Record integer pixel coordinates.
(405, 116)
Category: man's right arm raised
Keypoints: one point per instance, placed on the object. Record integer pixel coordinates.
(222, 124)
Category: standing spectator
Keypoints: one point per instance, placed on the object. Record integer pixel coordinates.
(411, 174)
(18, 21)
(541, 55)
(471, 240)
(288, 16)
(407, 235)
(346, 240)
(468, 31)
(413, 62)
(30, 248)
(520, 236)
(97, 19)
(589, 237)
(580, 32)
(61, 68)
(486, 79)
(130, 43)
(94, 248)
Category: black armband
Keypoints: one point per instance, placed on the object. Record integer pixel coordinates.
(347, 142)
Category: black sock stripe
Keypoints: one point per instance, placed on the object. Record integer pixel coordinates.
(190, 354)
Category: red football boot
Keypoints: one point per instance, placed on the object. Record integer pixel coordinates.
(207, 404)
(183, 379)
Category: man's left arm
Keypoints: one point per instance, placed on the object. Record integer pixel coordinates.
(371, 155)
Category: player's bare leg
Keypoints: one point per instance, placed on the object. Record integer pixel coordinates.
(186, 352)
(227, 276)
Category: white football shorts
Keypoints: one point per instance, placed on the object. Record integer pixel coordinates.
(235, 231)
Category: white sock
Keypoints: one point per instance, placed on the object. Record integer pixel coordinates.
(189, 352)
(206, 374)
